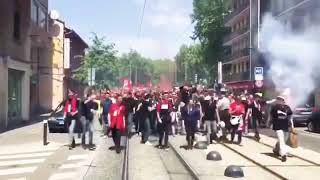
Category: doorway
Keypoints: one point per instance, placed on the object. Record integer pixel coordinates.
(14, 95)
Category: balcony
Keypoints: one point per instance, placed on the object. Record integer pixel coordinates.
(236, 77)
(235, 12)
(235, 34)
(236, 55)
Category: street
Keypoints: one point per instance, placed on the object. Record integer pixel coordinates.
(23, 156)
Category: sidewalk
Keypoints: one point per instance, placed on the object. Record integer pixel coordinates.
(207, 170)
(145, 162)
(295, 168)
(23, 155)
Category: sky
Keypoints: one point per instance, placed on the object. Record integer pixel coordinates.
(166, 24)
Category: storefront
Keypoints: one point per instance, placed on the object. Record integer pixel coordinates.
(14, 95)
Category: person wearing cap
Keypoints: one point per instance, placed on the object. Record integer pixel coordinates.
(255, 112)
(211, 118)
(281, 115)
(164, 108)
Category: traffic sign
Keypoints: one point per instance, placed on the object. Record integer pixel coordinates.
(258, 73)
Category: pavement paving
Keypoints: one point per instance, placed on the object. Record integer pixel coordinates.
(306, 139)
(23, 155)
(147, 162)
(206, 169)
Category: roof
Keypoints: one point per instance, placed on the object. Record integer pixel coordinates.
(70, 33)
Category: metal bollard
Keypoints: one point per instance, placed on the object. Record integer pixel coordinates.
(45, 132)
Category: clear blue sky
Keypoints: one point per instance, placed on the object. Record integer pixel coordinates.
(166, 24)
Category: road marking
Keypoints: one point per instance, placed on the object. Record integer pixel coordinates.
(21, 162)
(23, 178)
(13, 171)
(15, 151)
(60, 176)
(15, 156)
(78, 157)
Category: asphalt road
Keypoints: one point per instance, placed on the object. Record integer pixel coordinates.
(306, 139)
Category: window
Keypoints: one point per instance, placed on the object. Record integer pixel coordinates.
(42, 19)
(34, 12)
(16, 25)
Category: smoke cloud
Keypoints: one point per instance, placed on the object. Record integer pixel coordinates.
(293, 57)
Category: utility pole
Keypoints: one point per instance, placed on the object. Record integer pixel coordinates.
(186, 72)
(136, 76)
(130, 73)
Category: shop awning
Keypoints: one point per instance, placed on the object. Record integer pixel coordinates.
(241, 85)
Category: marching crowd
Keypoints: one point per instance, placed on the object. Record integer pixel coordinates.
(185, 110)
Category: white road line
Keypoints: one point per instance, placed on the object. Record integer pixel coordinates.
(60, 176)
(22, 178)
(70, 166)
(21, 162)
(26, 150)
(78, 157)
(13, 171)
(15, 156)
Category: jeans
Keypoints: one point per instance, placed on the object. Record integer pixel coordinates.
(146, 130)
(116, 136)
(87, 126)
(282, 136)
(71, 130)
(164, 129)
(211, 130)
(129, 121)
(234, 130)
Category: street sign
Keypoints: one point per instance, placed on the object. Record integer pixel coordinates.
(259, 84)
(258, 74)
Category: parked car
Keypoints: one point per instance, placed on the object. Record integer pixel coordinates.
(56, 121)
(314, 121)
(301, 114)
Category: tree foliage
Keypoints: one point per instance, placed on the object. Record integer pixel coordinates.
(110, 68)
(208, 16)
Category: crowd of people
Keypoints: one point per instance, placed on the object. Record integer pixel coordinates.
(185, 110)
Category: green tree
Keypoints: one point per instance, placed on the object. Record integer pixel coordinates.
(208, 16)
(102, 57)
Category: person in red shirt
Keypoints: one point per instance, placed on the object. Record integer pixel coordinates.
(116, 118)
(237, 112)
(164, 108)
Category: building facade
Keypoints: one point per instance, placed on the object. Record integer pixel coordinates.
(236, 63)
(23, 39)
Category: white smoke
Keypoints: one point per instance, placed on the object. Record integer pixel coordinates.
(294, 57)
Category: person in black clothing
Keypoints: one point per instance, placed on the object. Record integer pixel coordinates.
(281, 115)
(89, 108)
(211, 117)
(130, 103)
(164, 108)
(144, 110)
(254, 110)
(137, 115)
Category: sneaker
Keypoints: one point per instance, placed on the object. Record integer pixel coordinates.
(70, 147)
(118, 151)
(159, 146)
(284, 158)
(148, 143)
(166, 148)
